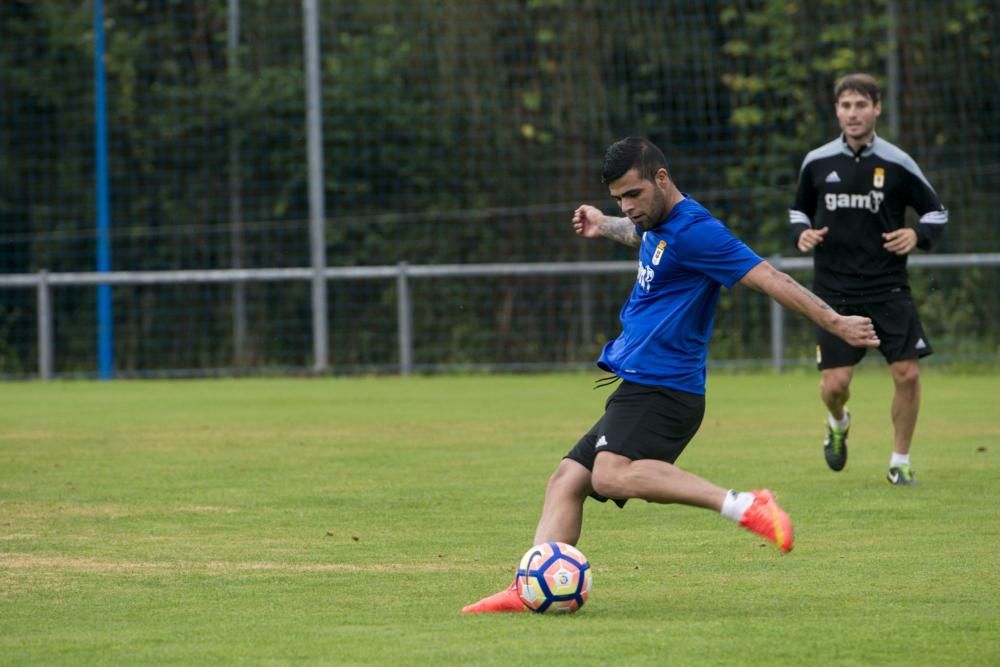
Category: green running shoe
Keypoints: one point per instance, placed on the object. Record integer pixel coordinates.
(901, 475)
(835, 448)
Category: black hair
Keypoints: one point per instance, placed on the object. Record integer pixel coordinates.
(632, 153)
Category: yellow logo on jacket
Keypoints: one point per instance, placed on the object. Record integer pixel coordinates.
(658, 254)
(879, 180)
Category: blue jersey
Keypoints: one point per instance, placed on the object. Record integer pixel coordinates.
(668, 318)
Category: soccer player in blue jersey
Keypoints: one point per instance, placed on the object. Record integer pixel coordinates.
(685, 257)
(849, 211)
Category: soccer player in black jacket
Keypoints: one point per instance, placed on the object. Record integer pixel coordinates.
(849, 212)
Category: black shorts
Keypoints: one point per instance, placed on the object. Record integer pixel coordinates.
(897, 325)
(641, 422)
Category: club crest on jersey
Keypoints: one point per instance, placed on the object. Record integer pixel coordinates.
(658, 254)
(879, 180)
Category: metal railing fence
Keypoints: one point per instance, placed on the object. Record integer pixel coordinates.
(44, 282)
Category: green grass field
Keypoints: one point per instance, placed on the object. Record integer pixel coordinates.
(346, 522)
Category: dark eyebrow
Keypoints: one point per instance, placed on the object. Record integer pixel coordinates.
(629, 193)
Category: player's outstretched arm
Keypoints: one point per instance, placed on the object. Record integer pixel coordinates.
(590, 223)
(857, 331)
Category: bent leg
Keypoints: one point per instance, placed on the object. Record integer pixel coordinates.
(835, 389)
(905, 402)
(562, 511)
(561, 521)
(617, 476)
(656, 481)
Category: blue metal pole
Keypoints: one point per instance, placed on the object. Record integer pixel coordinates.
(105, 358)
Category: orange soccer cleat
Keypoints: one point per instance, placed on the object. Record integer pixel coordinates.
(506, 601)
(768, 520)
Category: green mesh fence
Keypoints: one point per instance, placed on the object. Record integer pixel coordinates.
(454, 132)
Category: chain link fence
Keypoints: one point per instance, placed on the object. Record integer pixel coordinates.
(452, 133)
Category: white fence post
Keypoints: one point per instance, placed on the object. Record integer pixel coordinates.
(317, 197)
(44, 327)
(404, 309)
(777, 336)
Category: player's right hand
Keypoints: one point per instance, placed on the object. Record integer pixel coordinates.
(811, 238)
(587, 221)
(857, 331)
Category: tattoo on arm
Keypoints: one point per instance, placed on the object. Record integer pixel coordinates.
(823, 305)
(621, 230)
(791, 294)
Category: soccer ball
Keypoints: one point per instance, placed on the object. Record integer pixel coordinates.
(553, 578)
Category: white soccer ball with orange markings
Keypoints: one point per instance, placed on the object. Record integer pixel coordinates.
(553, 578)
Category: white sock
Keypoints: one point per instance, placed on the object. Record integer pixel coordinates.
(899, 460)
(839, 425)
(735, 504)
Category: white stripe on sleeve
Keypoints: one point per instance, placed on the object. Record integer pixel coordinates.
(934, 218)
(800, 218)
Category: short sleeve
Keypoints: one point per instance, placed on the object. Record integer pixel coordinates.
(708, 247)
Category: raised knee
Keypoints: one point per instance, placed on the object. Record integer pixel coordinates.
(834, 386)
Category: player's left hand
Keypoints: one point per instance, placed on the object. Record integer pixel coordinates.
(858, 331)
(900, 241)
